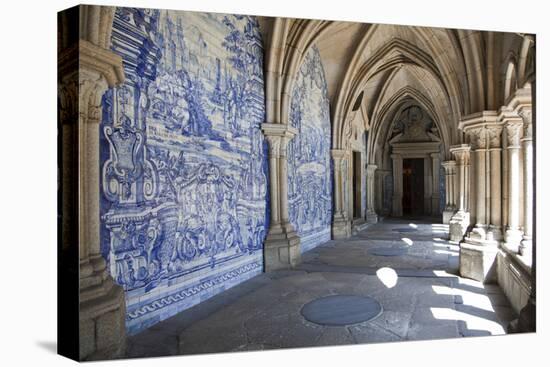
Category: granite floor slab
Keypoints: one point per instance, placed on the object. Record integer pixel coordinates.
(421, 297)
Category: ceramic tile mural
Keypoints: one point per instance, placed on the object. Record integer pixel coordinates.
(184, 173)
(309, 162)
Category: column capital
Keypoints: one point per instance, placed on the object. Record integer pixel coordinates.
(280, 130)
(274, 145)
(483, 128)
(396, 156)
(96, 59)
(526, 114)
(448, 164)
(461, 153)
(371, 167)
(494, 133)
(513, 130)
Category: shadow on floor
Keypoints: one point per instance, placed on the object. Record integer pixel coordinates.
(50, 346)
(423, 301)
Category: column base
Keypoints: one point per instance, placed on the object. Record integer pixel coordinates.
(526, 247)
(358, 225)
(102, 329)
(447, 215)
(478, 262)
(341, 227)
(458, 225)
(372, 217)
(494, 233)
(480, 236)
(281, 248)
(513, 239)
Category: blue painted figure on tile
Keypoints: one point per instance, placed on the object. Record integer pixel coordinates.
(184, 184)
(309, 162)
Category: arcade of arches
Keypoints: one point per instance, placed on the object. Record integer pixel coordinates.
(347, 131)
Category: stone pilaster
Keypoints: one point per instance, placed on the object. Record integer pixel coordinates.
(397, 205)
(513, 233)
(526, 245)
(450, 205)
(495, 175)
(381, 193)
(478, 137)
(461, 219)
(372, 217)
(341, 224)
(86, 71)
(435, 183)
(282, 243)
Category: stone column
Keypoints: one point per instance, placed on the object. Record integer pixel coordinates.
(372, 217)
(495, 220)
(478, 137)
(454, 186)
(381, 192)
(282, 243)
(461, 219)
(513, 232)
(428, 187)
(450, 206)
(397, 207)
(478, 251)
(86, 71)
(435, 183)
(525, 248)
(341, 225)
(274, 144)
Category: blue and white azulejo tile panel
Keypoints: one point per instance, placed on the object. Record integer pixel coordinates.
(184, 172)
(309, 162)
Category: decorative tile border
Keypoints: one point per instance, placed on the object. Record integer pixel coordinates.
(312, 240)
(168, 305)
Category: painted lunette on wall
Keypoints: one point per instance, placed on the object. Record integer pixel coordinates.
(309, 162)
(184, 187)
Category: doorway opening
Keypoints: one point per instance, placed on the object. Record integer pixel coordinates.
(413, 186)
(356, 184)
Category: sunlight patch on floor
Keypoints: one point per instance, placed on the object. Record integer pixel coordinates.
(446, 252)
(387, 276)
(472, 322)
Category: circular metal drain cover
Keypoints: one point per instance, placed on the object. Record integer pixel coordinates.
(403, 230)
(341, 310)
(387, 251)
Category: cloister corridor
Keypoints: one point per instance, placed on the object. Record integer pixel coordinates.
(407, 265)
(255, 182)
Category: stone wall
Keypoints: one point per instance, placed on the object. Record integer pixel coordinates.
(184, 171)
(514, 280)
(309, 162)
